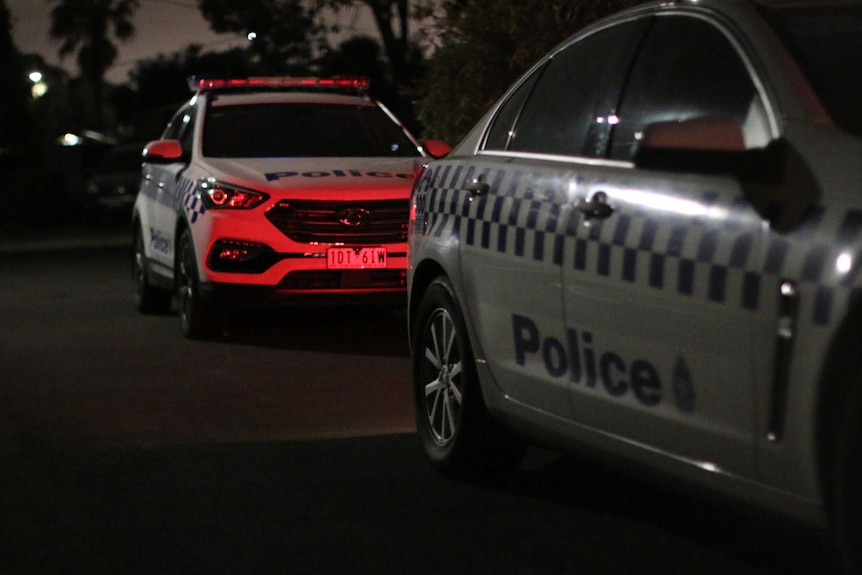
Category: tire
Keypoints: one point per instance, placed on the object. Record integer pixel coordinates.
(149, 299)
(848, 485)
(455, 429)
(197, 321)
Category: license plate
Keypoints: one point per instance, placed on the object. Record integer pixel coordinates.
(355, 258)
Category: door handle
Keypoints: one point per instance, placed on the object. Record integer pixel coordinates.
(478, 186)
(596, 208)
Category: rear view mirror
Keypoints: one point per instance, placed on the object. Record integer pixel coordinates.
(163, 152)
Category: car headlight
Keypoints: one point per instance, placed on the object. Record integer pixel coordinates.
(217, 196)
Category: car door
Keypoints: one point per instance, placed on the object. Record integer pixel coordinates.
(517, 192)
(660, 288)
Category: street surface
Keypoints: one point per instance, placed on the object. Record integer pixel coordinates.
(288, 447)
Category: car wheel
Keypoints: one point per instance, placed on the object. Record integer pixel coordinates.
(848, 487)
(148, 298)
(197, 321)
(455, 429)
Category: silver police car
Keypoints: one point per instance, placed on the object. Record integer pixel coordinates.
(651, 247)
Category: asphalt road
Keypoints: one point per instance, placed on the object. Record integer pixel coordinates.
(288, 447)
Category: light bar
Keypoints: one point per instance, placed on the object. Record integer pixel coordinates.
(197, 84)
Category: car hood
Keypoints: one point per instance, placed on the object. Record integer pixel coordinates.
(317, 175)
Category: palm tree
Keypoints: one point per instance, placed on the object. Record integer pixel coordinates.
(84, 27)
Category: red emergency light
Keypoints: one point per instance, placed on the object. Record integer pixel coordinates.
(358, 83)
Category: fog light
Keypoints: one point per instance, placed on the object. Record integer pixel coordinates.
(234, 254)
(239, 256)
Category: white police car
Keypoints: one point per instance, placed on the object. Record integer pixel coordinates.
(269, 190)
(651, 247)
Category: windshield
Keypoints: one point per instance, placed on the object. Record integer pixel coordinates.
(826, 39)
(303, 130)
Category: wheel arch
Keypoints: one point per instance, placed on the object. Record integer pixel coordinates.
(181, 226)
(482, 443)
(840, 373)
(134, 224)
(423, 275)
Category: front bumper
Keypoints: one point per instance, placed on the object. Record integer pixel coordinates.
(233, 296)
(243, 261)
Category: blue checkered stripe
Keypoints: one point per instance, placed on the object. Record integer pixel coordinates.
(685, 256)
(809, 256)
(522, 223)
(181, 197)
(189, 199)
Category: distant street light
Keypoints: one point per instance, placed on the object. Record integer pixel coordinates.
(39, 88)
(69, 139)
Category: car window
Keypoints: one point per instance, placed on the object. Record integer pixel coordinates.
(572, 92)
(187, 134)
(687, 68)
(178, 123)
(503, 126)
(302, 130)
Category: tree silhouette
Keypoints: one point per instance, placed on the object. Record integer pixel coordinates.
(86, 28)
(13, 97)
(392, 18)
(282, 29)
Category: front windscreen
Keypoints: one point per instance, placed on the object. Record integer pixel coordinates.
(826, 39)
(300, 130)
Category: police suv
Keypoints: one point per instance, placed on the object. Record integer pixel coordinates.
(651, 247)
(269, 190)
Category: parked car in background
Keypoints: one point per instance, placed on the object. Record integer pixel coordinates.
(651, 250)
(114, 183)
(274, 191)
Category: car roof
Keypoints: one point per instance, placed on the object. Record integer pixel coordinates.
(768, 3)
(729, 5)
(806, 3)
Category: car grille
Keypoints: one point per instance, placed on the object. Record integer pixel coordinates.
(360, 222)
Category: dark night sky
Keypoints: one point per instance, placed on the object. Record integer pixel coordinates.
(162, 27)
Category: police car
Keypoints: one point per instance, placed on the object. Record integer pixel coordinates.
(273, 190)
(651, 248)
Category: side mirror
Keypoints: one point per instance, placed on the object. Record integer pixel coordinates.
(714, 145)
(437, 148)
(716, 134)
(163, 152)
(776, 179)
